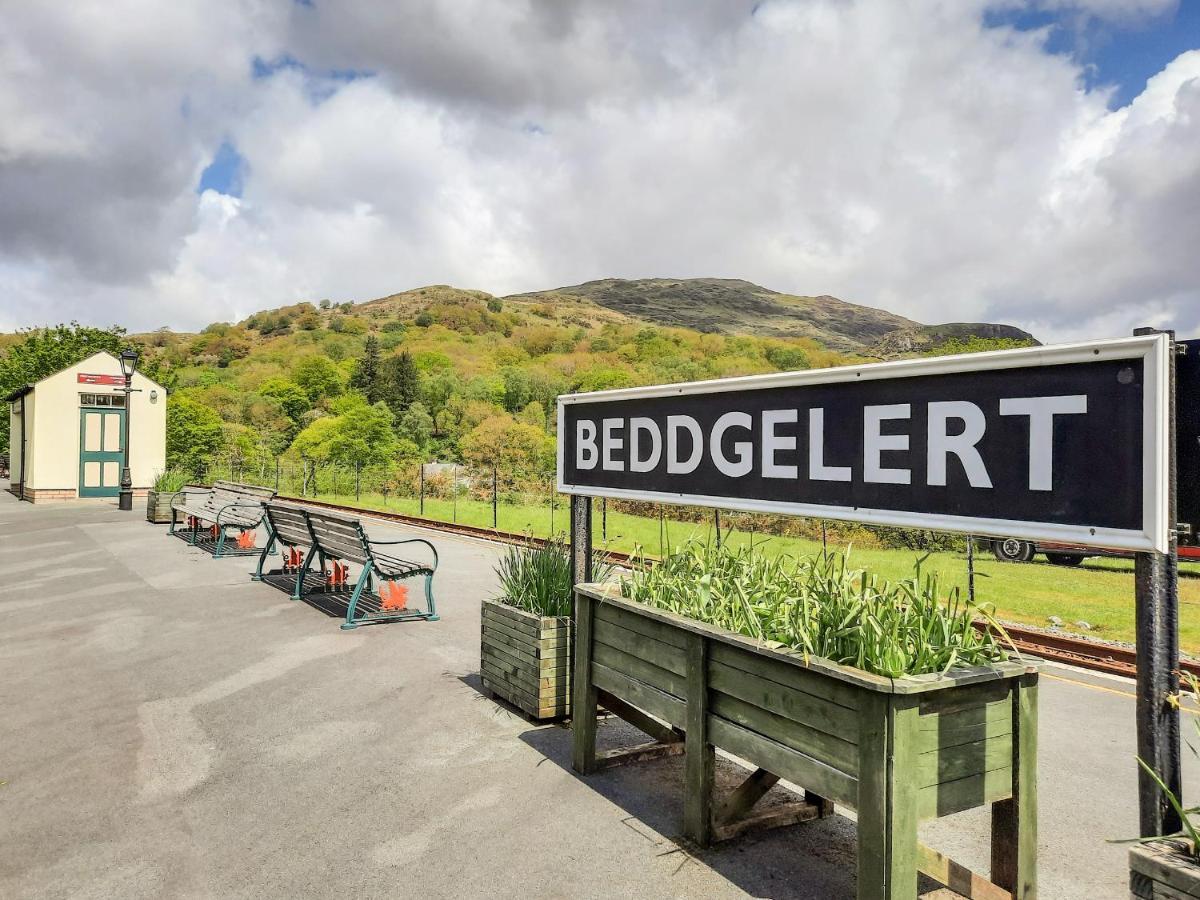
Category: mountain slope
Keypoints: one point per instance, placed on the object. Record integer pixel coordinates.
(734, 306)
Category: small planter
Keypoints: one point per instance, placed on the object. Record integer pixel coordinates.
(898, 751)
(1162, 870)
(526, 659)
(158, 506)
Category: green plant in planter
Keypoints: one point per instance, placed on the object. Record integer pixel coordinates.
(169, 481)
(820, 606)
(537, 577)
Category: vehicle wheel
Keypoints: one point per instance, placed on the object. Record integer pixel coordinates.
(1012, 550)
(1070, 560)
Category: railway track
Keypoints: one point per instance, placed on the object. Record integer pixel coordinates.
(1060, 648)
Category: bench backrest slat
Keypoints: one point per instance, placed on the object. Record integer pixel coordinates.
(248, 492)
(338, 535)
(289, 523)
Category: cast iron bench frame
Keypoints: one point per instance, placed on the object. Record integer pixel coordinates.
(339, 538)
(227, 504)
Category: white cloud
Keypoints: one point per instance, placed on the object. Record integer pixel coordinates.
(906, 158)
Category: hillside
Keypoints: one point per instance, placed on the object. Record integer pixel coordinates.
(725, 305)
(924, 338)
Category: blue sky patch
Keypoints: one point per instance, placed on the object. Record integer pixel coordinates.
(1123, 55)
(224, 173)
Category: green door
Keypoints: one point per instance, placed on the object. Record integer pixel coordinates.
(101, 439)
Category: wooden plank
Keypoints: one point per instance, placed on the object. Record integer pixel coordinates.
(531, 668)
(968, 734)
(820, 746)
(953, 763)
(873, 803)
(662, 706)
(662, 654)
(950, 797)
(966, 697)
(742, 798)
(699, 764)
(996, 711)
(796, 767)
(640, 669)
(536, 683)
(638, 719)
(505, 626)
(623, 756)
(535, 648)
(796, 678)
(583, 698)
(542, 626)
(957, 877)
(632, 618)
(1165, 866)
(798, 706)
(905, 786)
(774, 817)
(1014, 823)
(536, 708)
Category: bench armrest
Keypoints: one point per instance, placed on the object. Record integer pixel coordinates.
(187, 491)
(432, 549)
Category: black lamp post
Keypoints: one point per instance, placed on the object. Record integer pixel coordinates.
(129, 361)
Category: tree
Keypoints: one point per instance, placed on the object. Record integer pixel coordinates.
(44, 351)
(193, 434)
(368, 376)
(417, 425)
(292, 399)
(319, 377)
(520, 451)
(357, 432)
(401, 384)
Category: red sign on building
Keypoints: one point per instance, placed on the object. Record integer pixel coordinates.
(101, 379)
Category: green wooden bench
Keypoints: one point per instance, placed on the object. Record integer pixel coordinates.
(333, 540)
(226, 505)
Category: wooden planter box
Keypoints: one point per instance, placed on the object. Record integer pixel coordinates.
(526, 659)
(898, 751)
(1162, 870)
(158, 506)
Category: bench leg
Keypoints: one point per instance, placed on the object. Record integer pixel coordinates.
(298, 591)
(262, 558)
(174, 519)
(358, 589)
(220, 541)
(429, 603)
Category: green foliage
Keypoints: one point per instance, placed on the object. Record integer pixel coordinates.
(170, 480)
(193, 434)
(423, 320)
(292, 398)
(368, 373)
(819, 606)
(537, 577)
(357, 432)
(976, 344)
(416, 425)
(318, 377)
(400, 383)
(785, 358)
(494, 305)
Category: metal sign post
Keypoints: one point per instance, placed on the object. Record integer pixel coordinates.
(1157, 646)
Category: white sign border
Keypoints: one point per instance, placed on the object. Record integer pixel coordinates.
(1154, 350)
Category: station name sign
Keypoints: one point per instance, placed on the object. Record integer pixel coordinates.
(84, 378)
(1063, 443)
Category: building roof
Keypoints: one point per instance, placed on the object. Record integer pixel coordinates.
(27, 388)
(19, 393)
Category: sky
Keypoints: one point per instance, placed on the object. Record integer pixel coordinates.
(1035, 162)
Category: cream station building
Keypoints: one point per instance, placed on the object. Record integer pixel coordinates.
(67, 432)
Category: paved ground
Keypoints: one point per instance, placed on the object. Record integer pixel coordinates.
(171, 728)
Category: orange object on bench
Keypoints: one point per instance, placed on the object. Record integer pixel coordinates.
(393, 596)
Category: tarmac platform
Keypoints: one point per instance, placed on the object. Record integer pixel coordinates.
(171, 728)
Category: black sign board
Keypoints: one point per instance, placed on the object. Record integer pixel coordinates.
(1187, 442)
(1058, 444)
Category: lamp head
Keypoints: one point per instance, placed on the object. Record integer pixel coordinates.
(129, 361)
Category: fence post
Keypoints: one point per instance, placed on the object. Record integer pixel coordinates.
(971, 567)
(454, 496)
(581, 540)
(357, 481)
(422, 489)
(824, 538)
(495, 501)
(604, 519)
(717, 525)
(1157, 648)
(277, 474)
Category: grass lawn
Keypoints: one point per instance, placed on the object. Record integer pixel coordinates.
(1100, 592)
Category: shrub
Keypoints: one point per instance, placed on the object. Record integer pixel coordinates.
(819, 606)
(537, 577)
